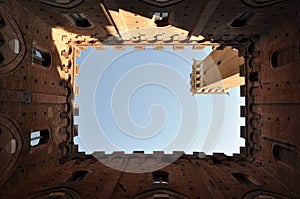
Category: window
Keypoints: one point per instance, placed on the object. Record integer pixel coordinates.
(39, 137)
(14, 45)
(1, 59)
(80, 20)
(241, 20)
(77, 176)
(253, 77)
(41, 58)
(160, 177)
(161, 19)
(2, 40)
(242, 178)
(2, 22)
(284, 155)
(281, 58)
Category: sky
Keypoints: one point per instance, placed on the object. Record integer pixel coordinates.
(140, 100)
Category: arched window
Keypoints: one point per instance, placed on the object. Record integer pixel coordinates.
(161, 19)
(284, 155)
(242, 178)
(160, 177)
(77, 176)
(281, 58)
(41, 58)
(80, 20)
(39, 137)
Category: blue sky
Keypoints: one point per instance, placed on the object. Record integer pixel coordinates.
(141, 100)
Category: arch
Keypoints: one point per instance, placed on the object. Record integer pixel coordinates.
(62, 3)
(261, 3)
(160, 193)
(10, 59)
(257, 193)
(10, 137)
(162, 3)
(59, 192)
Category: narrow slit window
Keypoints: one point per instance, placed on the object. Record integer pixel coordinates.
(41, 58)
(39, 137)
(160, 177)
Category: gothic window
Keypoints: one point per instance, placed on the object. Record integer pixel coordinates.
(160, 177)
(39, 137)
(41, 58)
(242, 178)
(77, 176)
(80, 20)
(161, 19)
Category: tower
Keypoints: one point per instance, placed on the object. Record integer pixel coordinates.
(217, 73)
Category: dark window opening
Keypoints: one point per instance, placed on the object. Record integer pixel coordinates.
(161, 19)
(77, 176)
(2, 40)
(54, 197)
(284, 155)
(39, 137)
(281, 58)
(242, 178)
(80, 20)
(160, 177)
(253, 77)
(241, 20)
(1, 58)
(41, 58)
(2, 22)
